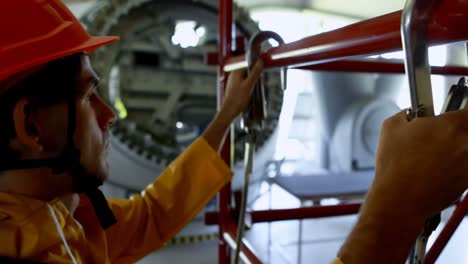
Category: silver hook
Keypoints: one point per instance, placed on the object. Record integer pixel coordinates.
(414, 24)
(253, 54)
(252, 122)
(253, 118)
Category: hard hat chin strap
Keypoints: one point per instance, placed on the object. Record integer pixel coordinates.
(69, 161)
(82, 182)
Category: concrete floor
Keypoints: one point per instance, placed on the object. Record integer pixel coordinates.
(278, 242)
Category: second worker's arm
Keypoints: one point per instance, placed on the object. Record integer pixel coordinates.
(421, 168)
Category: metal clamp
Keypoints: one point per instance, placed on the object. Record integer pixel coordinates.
(414, 23)
(256, 113)
(252, 123)
(458, 97)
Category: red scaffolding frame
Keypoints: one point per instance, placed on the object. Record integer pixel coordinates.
(332, 51)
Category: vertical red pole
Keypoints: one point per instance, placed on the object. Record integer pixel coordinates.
(225, 40)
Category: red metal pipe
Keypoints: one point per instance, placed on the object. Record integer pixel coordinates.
(358, 66)
(373, 36)
(304, 213)
(212, 218)
(447, 232)
(225, 40)
(246, 247)
(378, 67)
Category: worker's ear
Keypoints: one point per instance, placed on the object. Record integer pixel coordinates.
(27, 129)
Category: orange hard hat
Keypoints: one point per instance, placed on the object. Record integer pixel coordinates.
(35, 32)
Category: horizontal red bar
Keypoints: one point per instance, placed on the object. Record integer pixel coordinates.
(364, 66)
(304, 213)
(211, 218)
(378, 67)
(373, 36)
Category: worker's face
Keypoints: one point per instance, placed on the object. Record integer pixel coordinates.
(93, 119)
(45, 134)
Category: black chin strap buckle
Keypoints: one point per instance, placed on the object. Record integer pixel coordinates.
(84, 183)
(101, 207)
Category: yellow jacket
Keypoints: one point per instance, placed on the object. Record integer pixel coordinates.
(46, 232)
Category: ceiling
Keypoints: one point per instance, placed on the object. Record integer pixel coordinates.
(350, 8)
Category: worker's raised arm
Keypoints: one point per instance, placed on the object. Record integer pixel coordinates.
(150, 219)
(421, 168)
(238, 92)
(147, 221)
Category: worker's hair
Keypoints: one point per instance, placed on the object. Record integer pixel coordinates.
(54, 83)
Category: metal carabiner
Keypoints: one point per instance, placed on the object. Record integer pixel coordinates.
(414, 23)
(252, 123)
(256, 113)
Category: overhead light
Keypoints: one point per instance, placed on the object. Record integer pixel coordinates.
(179, 125)
(186, 35)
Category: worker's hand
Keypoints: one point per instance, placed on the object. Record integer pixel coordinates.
(239, 90)
(421, 167)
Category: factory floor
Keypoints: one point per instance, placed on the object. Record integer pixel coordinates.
(282, 243)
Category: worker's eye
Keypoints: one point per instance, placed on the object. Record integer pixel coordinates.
(90, 96)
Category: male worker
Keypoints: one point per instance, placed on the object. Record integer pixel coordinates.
(53, 146)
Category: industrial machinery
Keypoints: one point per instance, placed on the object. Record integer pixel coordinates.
(157, 81)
